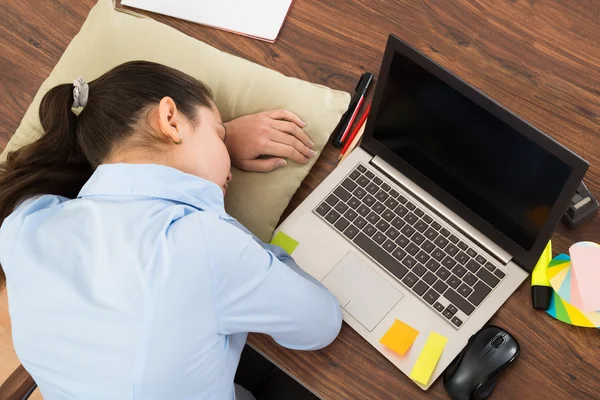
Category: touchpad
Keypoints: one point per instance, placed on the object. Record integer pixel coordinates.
(361, 291)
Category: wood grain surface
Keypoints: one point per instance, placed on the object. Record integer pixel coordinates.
(540, 59)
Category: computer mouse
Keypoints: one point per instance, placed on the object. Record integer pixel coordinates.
(473, 374)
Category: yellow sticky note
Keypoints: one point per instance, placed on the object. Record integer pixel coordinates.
(399, 337)
(428, 358)
(285, 242)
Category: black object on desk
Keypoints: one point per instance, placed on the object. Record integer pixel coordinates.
(474, 372)
(343, 128)
(583, 206)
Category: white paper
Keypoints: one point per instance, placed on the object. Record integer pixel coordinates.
(259, 18)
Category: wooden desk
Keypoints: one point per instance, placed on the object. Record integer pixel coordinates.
(539, 59)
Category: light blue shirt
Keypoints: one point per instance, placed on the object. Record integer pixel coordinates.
(145, 288)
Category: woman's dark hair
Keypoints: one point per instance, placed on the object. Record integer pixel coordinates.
(72, 146)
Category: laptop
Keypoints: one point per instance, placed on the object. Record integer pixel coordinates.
(439, 215)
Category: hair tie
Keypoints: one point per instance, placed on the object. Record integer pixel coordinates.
(81, 91)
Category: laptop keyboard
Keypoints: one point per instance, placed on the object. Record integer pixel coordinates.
(412, 243)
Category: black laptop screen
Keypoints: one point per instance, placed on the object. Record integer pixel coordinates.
(498, 173)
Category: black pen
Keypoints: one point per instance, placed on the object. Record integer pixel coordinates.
(349, 116)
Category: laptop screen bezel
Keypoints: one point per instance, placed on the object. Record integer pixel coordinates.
(523, 257)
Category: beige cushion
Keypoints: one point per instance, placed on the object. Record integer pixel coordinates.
(110, 37)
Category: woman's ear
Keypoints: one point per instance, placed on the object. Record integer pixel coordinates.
(168, 119)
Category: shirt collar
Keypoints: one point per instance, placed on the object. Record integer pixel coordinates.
(155, 181)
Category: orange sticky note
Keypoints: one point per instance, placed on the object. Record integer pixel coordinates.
(399, 337)
(428, 358)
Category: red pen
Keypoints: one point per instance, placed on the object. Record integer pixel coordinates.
(356, 129)
(348, 118)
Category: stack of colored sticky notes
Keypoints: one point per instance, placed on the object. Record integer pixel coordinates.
(585, 263)
(285, 242)
(428, 359)
(399, 337)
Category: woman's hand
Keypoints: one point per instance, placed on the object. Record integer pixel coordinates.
(277, 134)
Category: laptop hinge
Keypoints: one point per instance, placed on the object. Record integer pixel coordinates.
(442, 211)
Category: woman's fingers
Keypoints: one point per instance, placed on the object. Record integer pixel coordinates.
(286, 116)
(294, 130)
(289, 140)
(283, 150)
(262, 164)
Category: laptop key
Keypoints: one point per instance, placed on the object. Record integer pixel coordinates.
(377, 180)
(470, 279)
(499, 273)
(392, 233)
(332, 216)
(472, 266)
(373, 218)
(480, 292)
(451, 249)
(360, 193)
(402, 199)
(419, 212)
(446, 313)
(472, 253)
(419, 270)
(342, 224)
(391, 203)
(363, 181)
(480, 259)
(456, 299)
(353, 203)
(408, 230)
(411, 218)
(431, 296)
(378, 207)
(380, 255)
(388, 215)
(381, 195)
(372, 188)
(323, 209)
(350, 215)
(341, 207)
(444, 232)
(429, 278)
(462, 258)
(462, 246)
(441, 242)
(354, 174)
(456, 321)
(369, 230)
(409, 262)
(438, 254)
(443, 273)
(332, 200)
(412, 249)
(436, 225)
(453, 239)
(402, 241)
(428, 219)
(420, 288)
(389, 246)
(432, 265)
(351, 231)
(459, 271)
(490, 267)
(399, 254)
(440, 286)
(361, 168)
(438, 306)
(342, 193)
(363, 210)
(421, 226)
(398, 223)
(369, 174)
(410, 206)
(369, 200)
(488, 278)
(401, 210)
(410, 279)
(379, 237)
(417, 238)
(385, 186)
(423, 257)
(465, 290)
(448, 262)
(349, 184)
(382, 225)
(360, 222)
(427, 246)
(394, 193)
(453, 281)
(431, 233)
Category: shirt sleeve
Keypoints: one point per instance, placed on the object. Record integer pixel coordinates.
(257, 291)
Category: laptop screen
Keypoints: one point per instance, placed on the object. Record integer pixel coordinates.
(496, 171)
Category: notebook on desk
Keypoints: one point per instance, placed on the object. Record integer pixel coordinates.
(437, 217)
(259, 19)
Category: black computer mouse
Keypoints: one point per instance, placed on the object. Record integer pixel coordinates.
(473, 374)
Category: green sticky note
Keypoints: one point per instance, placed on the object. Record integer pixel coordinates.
(285, 242)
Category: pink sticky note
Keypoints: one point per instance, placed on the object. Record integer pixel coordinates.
(585, 264)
